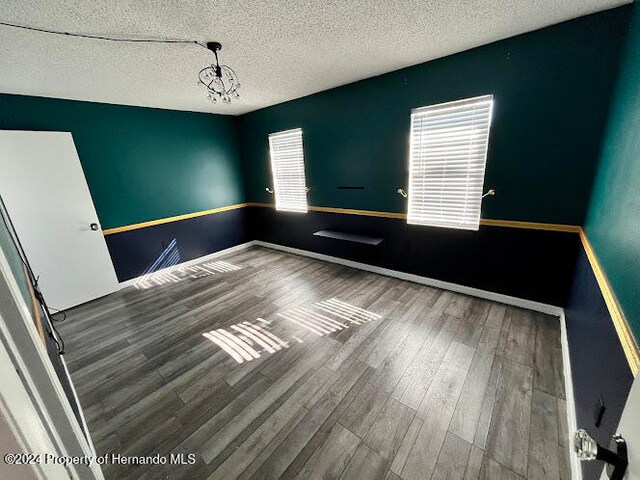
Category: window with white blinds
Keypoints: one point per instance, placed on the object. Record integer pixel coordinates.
(447, 158)
(287, 167)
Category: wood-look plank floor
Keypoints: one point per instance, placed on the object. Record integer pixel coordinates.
(288, 367)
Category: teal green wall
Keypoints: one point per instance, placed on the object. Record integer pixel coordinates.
(552, 89)
(613, 223)
(140, 163)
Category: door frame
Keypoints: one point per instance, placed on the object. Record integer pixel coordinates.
(43, 416)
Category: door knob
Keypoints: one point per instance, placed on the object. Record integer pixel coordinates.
(615, 456)
(93, 226)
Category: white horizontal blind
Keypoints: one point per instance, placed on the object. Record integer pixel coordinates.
(447, 159)
(287, 167)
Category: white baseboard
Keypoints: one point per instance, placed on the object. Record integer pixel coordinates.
(454, 287)
(576, 470)
(219, 253)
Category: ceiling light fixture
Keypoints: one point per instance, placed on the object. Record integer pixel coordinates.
(219, 80)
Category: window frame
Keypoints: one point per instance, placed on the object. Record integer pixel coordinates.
(280, 203)
(414, 218)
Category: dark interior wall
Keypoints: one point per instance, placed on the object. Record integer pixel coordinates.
(134, 251)
(552, 89)
(613, 222)
(598, 364)
(141, 164)
(532, 264)
(613, 228)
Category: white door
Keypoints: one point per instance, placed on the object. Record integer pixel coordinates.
(629, 428)
(47, 197)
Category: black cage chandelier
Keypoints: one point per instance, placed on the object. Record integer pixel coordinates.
(220, 81)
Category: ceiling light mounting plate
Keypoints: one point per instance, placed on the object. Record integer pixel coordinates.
(214, 46)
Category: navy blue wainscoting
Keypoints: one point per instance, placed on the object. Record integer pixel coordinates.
(598, 363)
(532, 264)
(139, 251)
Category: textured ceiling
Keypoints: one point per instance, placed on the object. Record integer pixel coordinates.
(280, 49)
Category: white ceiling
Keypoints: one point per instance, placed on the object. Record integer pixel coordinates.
(280, 49)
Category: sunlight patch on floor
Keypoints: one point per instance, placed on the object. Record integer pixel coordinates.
(172, 273)
(246, 341)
